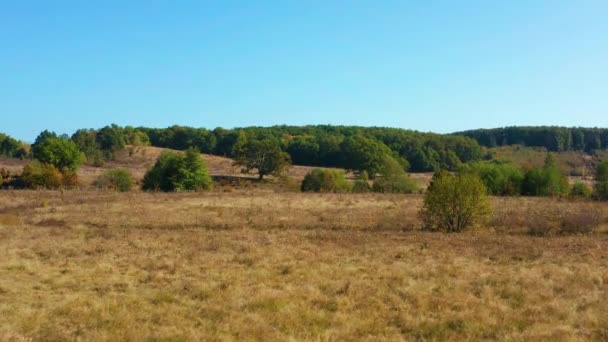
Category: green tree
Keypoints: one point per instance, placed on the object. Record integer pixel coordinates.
(111, 139)
(454, 203)
(11, 148)
(178, 172)
(360, 153)
(265, 156)
(193, 175)
(59, 152)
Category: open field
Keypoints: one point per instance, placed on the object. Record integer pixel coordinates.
(260, 265)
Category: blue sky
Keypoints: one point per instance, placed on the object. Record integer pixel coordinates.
(437, 66)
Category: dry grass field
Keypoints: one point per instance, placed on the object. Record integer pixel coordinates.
(271, 266)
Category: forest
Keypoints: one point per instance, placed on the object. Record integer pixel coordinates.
(555, 139)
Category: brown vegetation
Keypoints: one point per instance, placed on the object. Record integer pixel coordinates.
(259, 265)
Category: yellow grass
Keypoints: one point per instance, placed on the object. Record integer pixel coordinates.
(259, 265)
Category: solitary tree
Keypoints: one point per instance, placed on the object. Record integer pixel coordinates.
(265, 156)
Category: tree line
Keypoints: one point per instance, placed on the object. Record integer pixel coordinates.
(555, 139)
(349, 147)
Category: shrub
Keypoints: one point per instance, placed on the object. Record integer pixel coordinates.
(580, 189)
(320, 180)
(548, 181)
(69, 178)
(393, 178)
(362, 183)
(177, 172)
(40, 175)
(117, 179)
(601, 179)
(601, 191)
(500, 179)
(454, 203)
(402, 184)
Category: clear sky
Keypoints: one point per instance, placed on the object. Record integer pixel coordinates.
(437, 66)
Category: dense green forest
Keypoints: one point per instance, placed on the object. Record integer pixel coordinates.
(331, 146)
(552, 138)
(354, 148)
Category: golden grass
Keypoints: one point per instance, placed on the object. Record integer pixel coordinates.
(259, 265)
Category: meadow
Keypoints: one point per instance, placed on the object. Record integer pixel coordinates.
(262, 264)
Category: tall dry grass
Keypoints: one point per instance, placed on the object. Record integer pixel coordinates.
(260, 265)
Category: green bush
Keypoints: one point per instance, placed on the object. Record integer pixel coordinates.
(500, 179)
(580, 189)
(601, 181)
(393, 178)
(320, 180)
(454, 203)
(117, 179)
(178, 172)
(40, 175)
(401, 184)
(548, 181)
(601, 173)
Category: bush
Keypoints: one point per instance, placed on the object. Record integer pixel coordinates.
(69, 178)
(402, 184)
(548, 181)
(601, 179)
(393, 178)
(361, 185)
(454, 203)
(117, 179)
(500, 179)
(39, 175)
(580, 189)
(320, 180)
(601, 191)
(178, 172)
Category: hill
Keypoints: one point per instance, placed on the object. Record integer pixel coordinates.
(138, 159)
